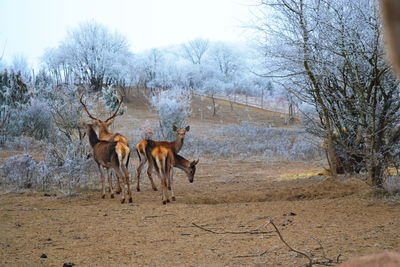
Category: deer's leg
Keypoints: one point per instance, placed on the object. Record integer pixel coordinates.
(163, 182)
(126, 175)
(103, 189)
(118, 184)
(121, 176)
(165, 178)
(170, 185)
(109, 177)
(171, 176)
(149, 171)
(164, 191)
(139, 171)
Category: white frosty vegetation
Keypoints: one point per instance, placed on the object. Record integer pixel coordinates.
(173, 107)
(251, 141)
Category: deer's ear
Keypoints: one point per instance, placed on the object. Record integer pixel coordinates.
(174, 128)
(194, 163)
(84, 124)
(187, 128)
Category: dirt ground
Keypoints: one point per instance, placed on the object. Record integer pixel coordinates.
(315, 215)
(234, 199)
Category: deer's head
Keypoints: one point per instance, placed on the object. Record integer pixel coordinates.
(102, 124)
(192, 170)
(181, 132)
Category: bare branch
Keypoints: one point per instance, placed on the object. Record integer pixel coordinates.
(230, 232)
(292, 249)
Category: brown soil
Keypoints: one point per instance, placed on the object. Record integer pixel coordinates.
(316, 215)
(328, 217)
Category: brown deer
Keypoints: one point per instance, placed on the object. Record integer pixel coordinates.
(164, 159)
(106, 135)
(110, 155)
(175, 146)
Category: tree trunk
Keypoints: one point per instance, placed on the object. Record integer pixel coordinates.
(214, 108)
(290, 112)
(375, 174)
(262, 98)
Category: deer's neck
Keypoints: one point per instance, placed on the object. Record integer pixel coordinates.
(93, 139)
(104, 133)
(178, 143)
(181, 163)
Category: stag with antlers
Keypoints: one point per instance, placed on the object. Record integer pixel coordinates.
(110, 155)
(106, 135)
(164, 159)
(175, 146)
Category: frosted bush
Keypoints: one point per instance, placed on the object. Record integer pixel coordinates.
(23, 143)
(76, 169)
(146, 131)
(173, 107)
(247, 140)
(35, 120)
(111, 100)
(22, 172)
(63, 170)
(391, 184)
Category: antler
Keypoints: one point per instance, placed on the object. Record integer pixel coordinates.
(87, 111)
(115, 113)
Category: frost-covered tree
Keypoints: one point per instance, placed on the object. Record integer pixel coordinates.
(13, 97)
(67, 114)
(225, 60)
(58, 65)
(92, 53)
(20, 65)
(173, 107)
(195, 50)
(330, 55)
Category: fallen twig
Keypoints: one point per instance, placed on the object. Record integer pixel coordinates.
(251, 256)
(326, 261)
(292, 249)
(230, 232)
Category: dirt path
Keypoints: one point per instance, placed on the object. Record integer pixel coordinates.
(319, 215)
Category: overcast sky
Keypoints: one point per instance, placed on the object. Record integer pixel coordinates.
(28, 27)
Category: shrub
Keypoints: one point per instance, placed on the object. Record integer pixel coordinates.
(63, 170)
(173, 107)
(111, 100)
(391, 184)
(246, 140)
(22, 172)
(36, 120)
(74, 168)
(146, 131)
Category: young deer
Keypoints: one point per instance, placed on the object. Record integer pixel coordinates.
(106, 135)
(110, 155)
(175, 146)
(163, 159)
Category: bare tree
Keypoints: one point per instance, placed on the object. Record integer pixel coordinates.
(194, 50)
(225, 59)
(91, 52)
(332, 58)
